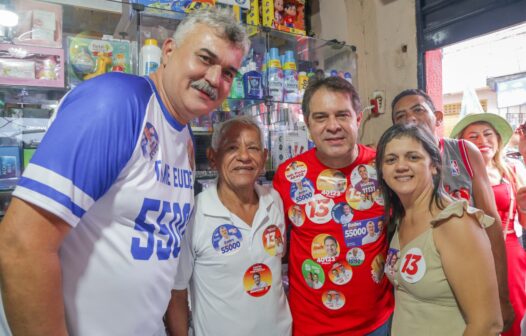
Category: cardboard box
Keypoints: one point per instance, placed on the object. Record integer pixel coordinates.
(284, 15)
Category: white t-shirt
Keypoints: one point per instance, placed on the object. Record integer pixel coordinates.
(221, 290)
(118, 168)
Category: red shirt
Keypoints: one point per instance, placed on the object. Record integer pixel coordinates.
(337, 246)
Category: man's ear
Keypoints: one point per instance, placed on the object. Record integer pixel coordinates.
(439, 116)
(359, 116)
(168, 47)
(211, 156)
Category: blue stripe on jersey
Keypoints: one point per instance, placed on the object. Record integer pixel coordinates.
(59, 197)
(171, 120)
(96, 130)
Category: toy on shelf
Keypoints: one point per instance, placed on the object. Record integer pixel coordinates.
(285, 15)
(104, 61)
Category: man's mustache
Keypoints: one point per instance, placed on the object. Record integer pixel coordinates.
(203, 85)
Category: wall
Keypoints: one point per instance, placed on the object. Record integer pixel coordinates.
(379, 29)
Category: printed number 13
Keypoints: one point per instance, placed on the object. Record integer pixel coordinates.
(410, 266)
(318, 207)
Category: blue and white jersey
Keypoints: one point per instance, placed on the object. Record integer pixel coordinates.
(118, 168)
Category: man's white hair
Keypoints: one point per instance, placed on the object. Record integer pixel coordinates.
(221, 128)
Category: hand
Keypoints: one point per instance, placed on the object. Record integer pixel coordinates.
(508, 315)
(521, 199)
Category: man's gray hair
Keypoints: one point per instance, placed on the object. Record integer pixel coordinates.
(221, 128)
(220, 19)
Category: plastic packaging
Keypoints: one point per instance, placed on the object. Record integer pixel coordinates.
(290, 78)
(252, 80)
(150, 57)
(237, 90)
(275, 76)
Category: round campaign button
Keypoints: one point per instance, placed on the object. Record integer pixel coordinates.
(413, 265)
(296, 171)
(355, 256)
(319, 209)
(227, 239)
(377, 268)
(340, 273)
(257, 280)
(325, 249)
(342, 213)
(296, 215)
(331, 183)
(302, 192)
(273, 241)
(333, 299)
(313, 274)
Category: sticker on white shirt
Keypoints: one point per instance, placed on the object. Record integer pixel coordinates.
(296, 215)
(302, 191)
(296, 171)
(227, 239)
(413, 265)
(377, 268)
(318, 209)
(273, 241)
(363, 232)
(325, 249)
(340, 273)
(333, 299)
(257, 280)
(331, 183)
(342, 213)
(355, 256)
(313, 274)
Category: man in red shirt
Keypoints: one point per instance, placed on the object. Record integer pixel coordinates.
(332, 112)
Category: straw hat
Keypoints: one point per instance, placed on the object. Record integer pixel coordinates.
(499, 124)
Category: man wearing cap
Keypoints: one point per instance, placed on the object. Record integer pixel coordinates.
(460, 161)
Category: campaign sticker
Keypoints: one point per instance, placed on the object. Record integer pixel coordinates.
(296, 171)
(325, 249)
(296, 215)
(257, 280)
(227, 239)
(357, 200)
(273, 241)
(413, 265)
(340, 273)
(318, 209)
(342, 213)
(313, 274)
(364, 179)
(355, 256)
(331, 183)
(390, 264)
(363, 232)
(301, 192)
(377, 268)
(333, 299)
(149, 141)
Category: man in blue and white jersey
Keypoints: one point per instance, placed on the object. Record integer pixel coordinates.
(90, 243)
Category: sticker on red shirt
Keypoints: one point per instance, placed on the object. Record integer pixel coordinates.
(340, 273)
(377, 268)
(333, 299)
(342, 213)
(331, 183)
(257, 280)
(325, 249)
(313, 274)
(355, 256)
(273, 241)
(413, 265)
(357, 200)
(227, 239)
(296, 171)
(301, 192)
(318, 209)
(296, 215)
(390, 264)
(363, 232)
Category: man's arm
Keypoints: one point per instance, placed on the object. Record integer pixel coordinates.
(30, 273)
(485, 200)
(177, 314)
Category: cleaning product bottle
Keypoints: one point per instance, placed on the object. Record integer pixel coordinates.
(150, 57)
(237, 91)
(275, 76)
(290, 78)
(252, 80)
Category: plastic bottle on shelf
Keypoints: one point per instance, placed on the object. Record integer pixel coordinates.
(237, 91)
(252, 80)
(290, 78)
(275, 76)
(303, 81)
(150, 57)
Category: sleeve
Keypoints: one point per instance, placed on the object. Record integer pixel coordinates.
(185, 268)
(93, 136)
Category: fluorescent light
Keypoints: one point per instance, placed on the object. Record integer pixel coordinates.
(8, 18)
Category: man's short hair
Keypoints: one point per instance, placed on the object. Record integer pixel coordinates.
(334, 84)
(412, 92)
(221, 128)
(220, 19)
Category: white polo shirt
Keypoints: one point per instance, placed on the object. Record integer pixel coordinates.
(223, 296)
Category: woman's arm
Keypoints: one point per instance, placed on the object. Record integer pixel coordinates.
(468, 264)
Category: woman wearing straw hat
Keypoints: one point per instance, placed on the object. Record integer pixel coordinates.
(490, 133)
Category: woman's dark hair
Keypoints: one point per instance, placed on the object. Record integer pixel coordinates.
(394, 210)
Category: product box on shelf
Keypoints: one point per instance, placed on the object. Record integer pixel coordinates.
(40, 24)
(88, 58)
(9, 163)
(178, 8)
(285, 15)
(31, 66)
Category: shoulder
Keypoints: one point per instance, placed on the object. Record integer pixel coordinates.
(115, 84)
